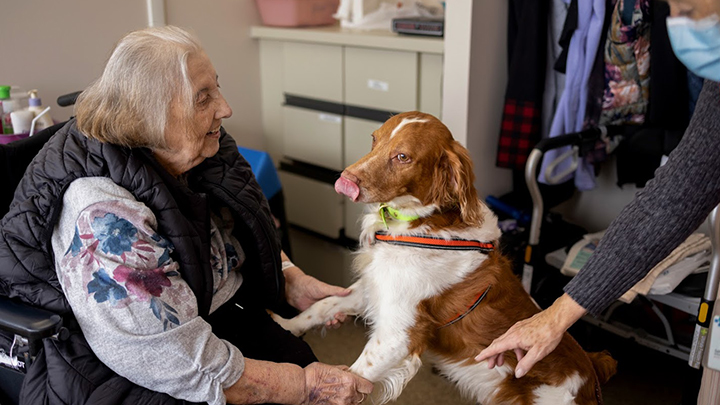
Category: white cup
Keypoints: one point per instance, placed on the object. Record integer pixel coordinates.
(21, 121)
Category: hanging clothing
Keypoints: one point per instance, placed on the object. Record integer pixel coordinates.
(627, 64)
(668, 76)
(520, 130)
(570, 113)
(569, 27)
(554, 80)
(640, 154)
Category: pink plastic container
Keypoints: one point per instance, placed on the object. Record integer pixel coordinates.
(7, 138)
(297, 13)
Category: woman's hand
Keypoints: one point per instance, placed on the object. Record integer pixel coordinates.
(534, 338)
(326, 384)
(301, 291)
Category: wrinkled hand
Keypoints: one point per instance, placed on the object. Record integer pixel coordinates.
(302, 291)
(325, 384)
(534, 338)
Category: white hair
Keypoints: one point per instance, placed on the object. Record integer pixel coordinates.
(129, 104)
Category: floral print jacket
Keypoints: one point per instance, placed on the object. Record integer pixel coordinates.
(128, 295)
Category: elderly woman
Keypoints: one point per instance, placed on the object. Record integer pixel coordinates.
(142, 225)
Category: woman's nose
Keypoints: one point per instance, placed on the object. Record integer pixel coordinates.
(224, 110)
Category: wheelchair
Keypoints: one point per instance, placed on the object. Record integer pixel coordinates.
(22, 327)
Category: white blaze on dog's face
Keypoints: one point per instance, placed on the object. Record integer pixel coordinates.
(414, 158)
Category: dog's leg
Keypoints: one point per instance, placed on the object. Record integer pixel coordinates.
(386, 360)
(323, 311)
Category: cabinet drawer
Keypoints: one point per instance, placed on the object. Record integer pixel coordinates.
(381, 79)
(358, 139)
(312, 204)
(313, 137)
(313, 71)
(353, 218)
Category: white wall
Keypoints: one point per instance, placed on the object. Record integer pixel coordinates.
(595, 209)
(59, 47)
(223, 27)
(475, 73)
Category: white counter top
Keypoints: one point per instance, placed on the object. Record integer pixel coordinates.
(336, 35)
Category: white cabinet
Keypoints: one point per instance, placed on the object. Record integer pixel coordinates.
(313, 137)
(381, 79)
(312, 204)
(325, 90)
(313, 70)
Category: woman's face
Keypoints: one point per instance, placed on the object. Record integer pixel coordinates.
(189, 143)
(693, 9)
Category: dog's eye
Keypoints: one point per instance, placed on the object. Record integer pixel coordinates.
(373, 142)
(403, 158)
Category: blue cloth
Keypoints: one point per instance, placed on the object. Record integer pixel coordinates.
(264, 170)
(570, 113)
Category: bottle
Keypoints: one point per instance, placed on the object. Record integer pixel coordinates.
(7, 108)
(35, 105)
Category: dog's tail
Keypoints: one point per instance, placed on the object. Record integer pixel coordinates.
(605, 366)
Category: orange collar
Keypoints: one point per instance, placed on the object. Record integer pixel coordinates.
(431, 242)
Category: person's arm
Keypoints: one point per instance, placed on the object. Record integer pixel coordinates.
(672, 206)
(127, 294)
(266, 382)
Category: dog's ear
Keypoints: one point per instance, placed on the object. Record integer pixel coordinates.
(453, 183)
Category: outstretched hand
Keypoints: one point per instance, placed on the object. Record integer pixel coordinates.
(534, 338)
(302, 290)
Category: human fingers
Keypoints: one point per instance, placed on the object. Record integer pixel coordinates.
(528, 361)
(325, 290)
(500, 345)
(501, 359)
(363, 386)
(519, 353)
(334, 385)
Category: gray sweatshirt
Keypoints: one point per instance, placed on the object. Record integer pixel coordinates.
(135, 310)
(662, 215)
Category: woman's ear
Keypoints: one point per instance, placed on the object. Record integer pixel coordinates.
(461, 184)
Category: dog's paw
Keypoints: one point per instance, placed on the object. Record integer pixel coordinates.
(290, 325)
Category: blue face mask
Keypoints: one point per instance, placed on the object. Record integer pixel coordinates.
(697, 44)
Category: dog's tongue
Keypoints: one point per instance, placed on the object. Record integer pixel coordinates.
(347, 187)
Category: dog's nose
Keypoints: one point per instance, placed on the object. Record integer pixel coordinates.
(350, 176)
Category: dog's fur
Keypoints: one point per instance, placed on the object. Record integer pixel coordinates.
(407, 293)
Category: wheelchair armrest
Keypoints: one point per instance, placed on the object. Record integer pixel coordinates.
(32, 323)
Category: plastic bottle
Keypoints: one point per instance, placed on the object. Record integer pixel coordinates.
(35, 105)
(7, 108)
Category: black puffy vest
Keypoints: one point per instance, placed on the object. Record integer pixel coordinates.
(67, 371)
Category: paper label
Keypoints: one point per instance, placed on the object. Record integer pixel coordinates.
(378, 85)
(335, 119)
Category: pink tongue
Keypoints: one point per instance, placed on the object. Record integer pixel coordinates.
(348, 188)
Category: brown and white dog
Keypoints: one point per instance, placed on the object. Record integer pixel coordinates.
(429, 281)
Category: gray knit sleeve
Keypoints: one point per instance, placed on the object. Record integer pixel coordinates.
(662, 215)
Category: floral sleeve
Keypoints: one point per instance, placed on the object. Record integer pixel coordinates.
(136, 311)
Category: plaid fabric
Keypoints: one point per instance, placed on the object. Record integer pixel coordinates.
(519, 133)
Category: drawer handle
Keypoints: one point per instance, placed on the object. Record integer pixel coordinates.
(330, 118)
(378, 85)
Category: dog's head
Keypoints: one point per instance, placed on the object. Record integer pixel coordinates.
(414, 163)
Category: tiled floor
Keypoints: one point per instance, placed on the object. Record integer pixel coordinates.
(644, 376)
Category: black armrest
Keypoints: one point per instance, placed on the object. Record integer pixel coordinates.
(26, 321)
